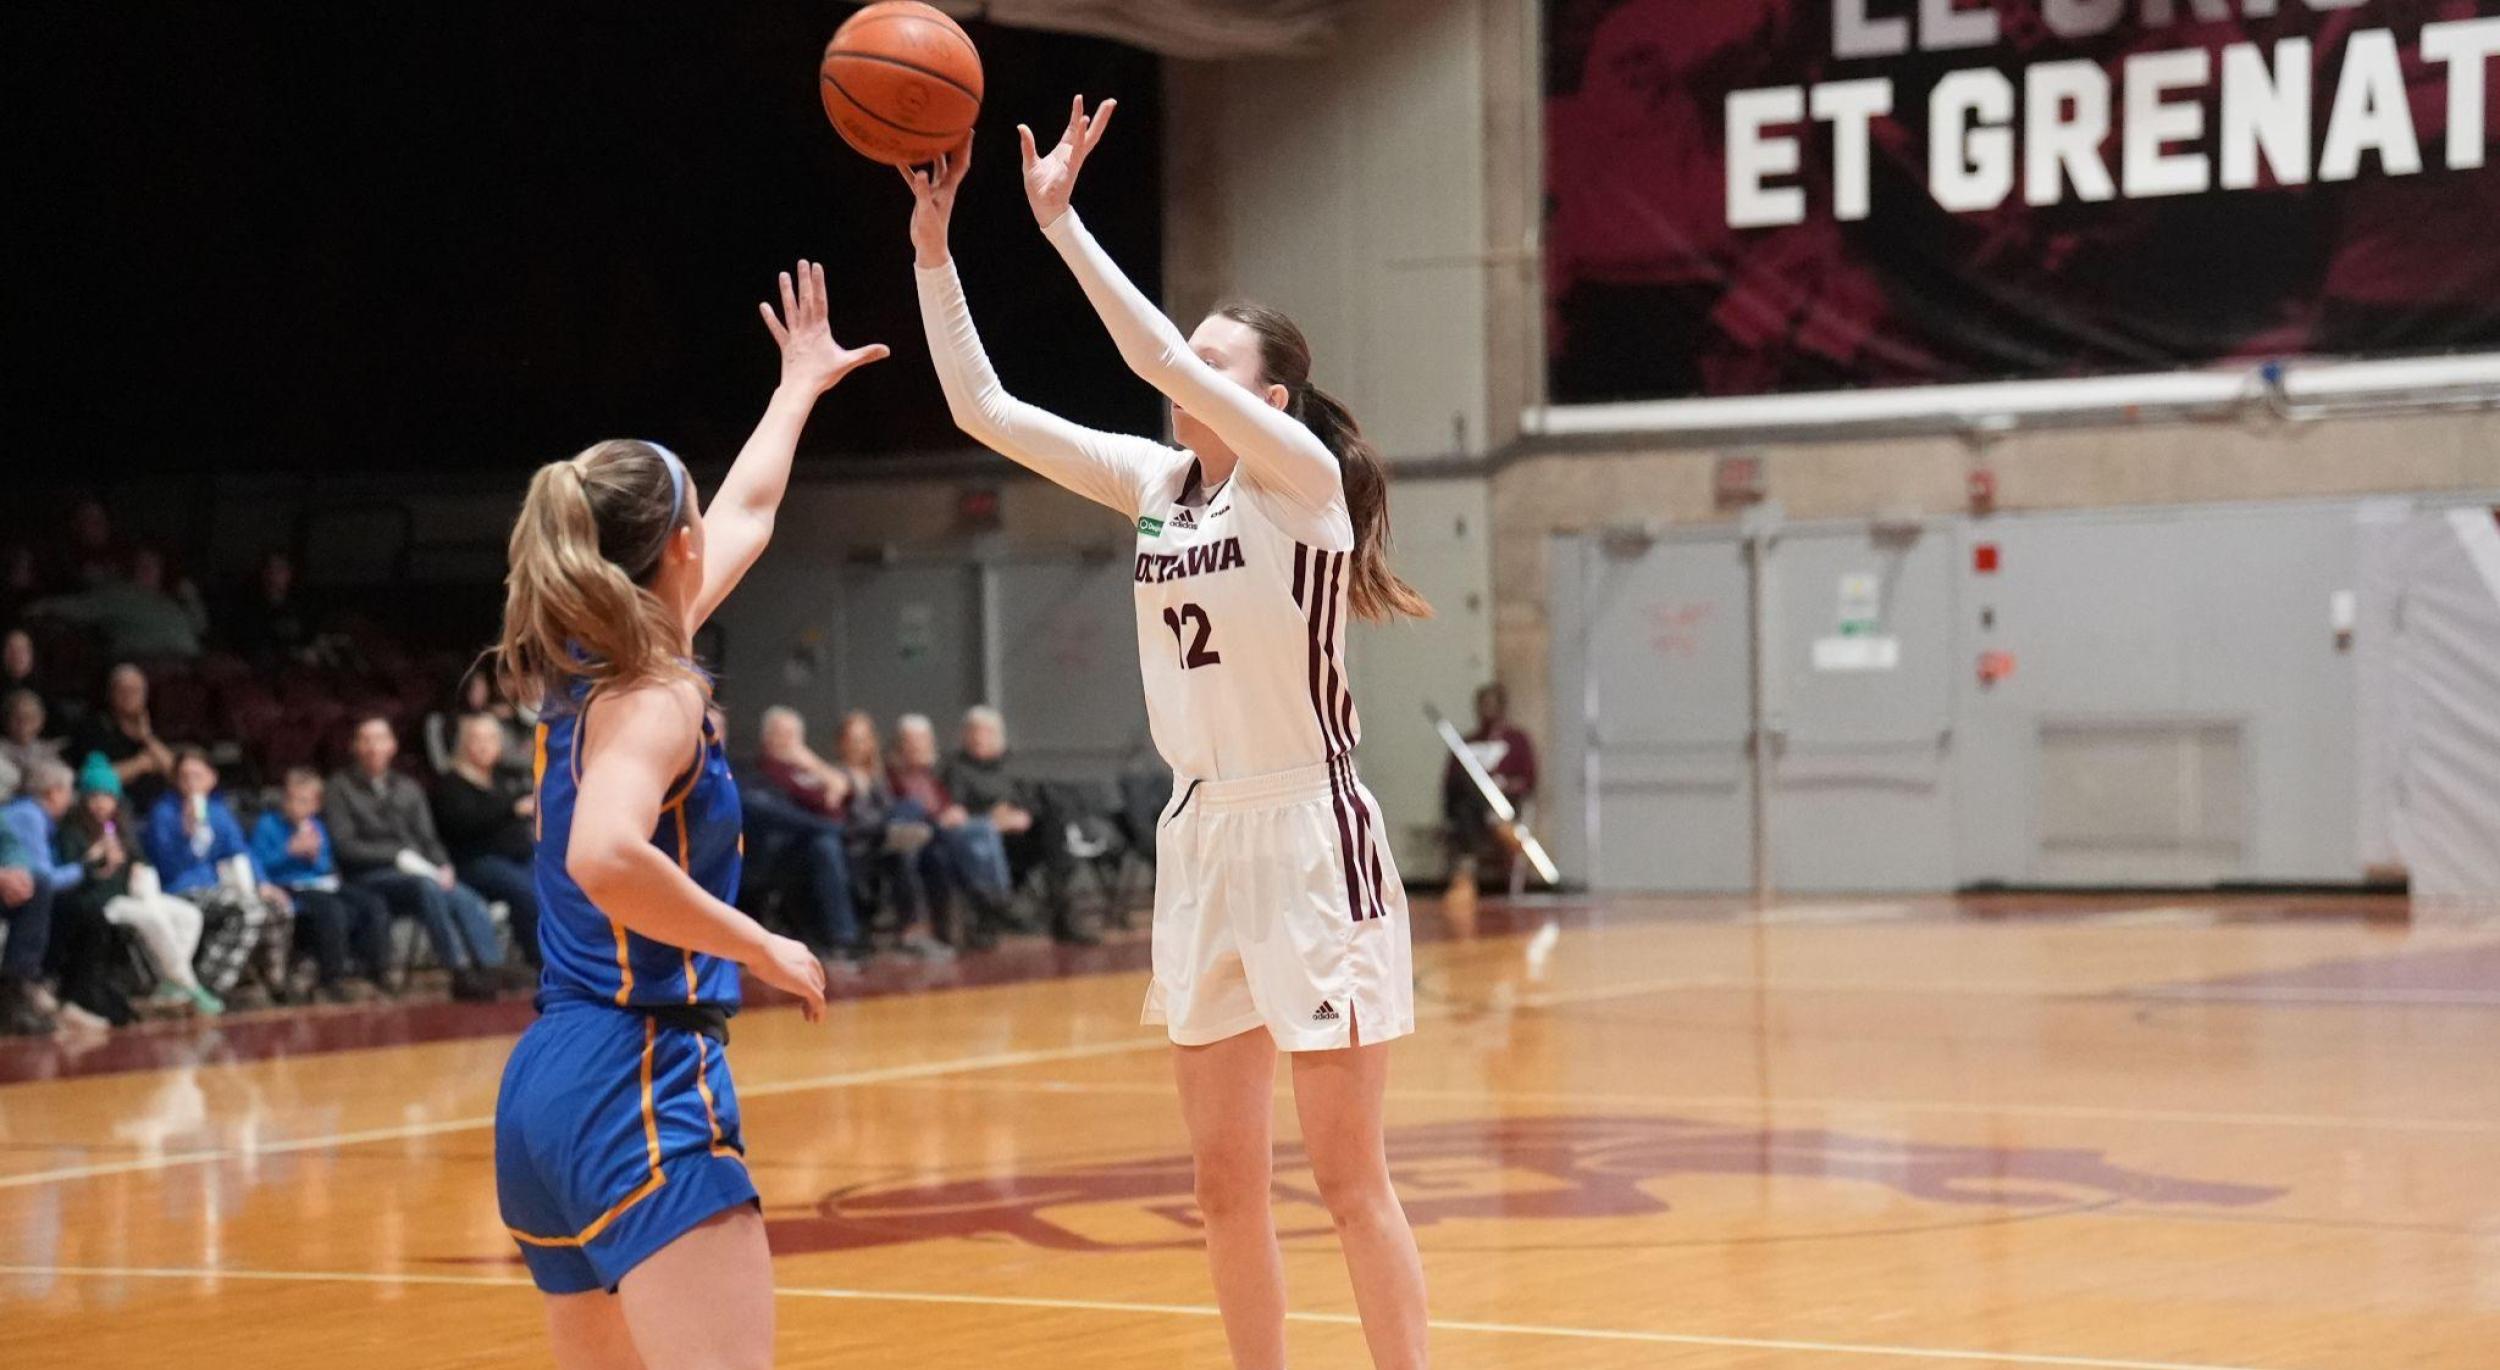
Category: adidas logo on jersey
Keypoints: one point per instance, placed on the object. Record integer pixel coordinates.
(1326, 1013)
(1184, 519)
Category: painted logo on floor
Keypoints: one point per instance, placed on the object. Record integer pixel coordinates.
(1530, 1169)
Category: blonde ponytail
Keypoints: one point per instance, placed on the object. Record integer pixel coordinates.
(571, 610)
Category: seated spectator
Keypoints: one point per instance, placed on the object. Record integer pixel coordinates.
(22, 743)
(269, 625)
(91, 555)
(1509, 757)
(792, 767)
(79, 953)
(967, 855)
(488, 820)
(196, 845)
(791, 812)
(348, 931)
(896, 844)
(1033, 833)
(139, 616)
(384, 836)
(26, 1007)
(19, 584)
(479, 695)
(126, 737)
(17, 662)
(128, 894)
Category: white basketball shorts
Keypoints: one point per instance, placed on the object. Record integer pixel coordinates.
(1277, 905)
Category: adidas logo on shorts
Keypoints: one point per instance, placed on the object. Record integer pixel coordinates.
(1326, 1013)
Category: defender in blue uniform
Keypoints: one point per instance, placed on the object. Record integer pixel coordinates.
(619, 1167)
(588, 1191)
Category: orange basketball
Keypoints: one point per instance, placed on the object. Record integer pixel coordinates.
(901, 82)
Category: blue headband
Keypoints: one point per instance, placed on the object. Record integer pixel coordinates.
(678, 481)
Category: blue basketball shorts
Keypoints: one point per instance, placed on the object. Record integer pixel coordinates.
(615, 1134)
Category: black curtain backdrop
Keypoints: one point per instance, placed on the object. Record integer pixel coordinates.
(265, 236)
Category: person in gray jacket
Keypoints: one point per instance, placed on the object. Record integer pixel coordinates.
(383, 832)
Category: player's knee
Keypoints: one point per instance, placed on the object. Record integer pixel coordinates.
(1353, 1188)
(1231, 1182)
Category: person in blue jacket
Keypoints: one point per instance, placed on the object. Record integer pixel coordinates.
(197, 847)
(347, 929)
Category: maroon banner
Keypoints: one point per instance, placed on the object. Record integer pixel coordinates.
(1747, 197)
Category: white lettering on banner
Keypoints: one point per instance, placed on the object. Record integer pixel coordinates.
(2188, 121)
(1943, 25)
(1850, 108)
(2082, 18)
(1856, 35)
(1970, 149)
(2069, 118)
(2371, 113)
(2265, 109)
(2154, 122)
(1754, 156)
(2463, 46)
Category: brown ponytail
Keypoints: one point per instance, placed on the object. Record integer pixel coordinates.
(1375, 592)
(577, 603)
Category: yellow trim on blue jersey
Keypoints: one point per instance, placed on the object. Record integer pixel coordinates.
(624, 965)
(538, 786)
(703, 1086)
(651, 1141)
(685, 862)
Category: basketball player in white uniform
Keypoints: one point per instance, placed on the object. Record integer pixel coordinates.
(1279, 920)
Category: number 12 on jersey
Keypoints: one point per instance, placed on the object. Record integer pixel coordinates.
(1194, 650)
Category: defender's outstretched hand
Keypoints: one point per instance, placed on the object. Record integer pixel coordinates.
(811, 360)
(933, 202)
(1050, 181)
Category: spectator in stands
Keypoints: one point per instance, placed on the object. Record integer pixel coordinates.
(140, 615)
(26, 1007)
(895, 843)
(385, 841)
(1510, 758)
(347, 930)
(790, 766)
(126, 737)
(196, 845)
(269, 624)
(92, 555)
(22, 743)
(19, 585)
(128, 894)
(793, 811)
(17, 661)
(968, 857)
(1033, 833)
(487, 816)
(479, 695)
(78, 953)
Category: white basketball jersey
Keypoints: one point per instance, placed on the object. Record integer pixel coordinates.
(1241, 620)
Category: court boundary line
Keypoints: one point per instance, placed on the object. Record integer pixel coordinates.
(1733, 1102)
(2059, 1361)
(840, 1080)
(405, 1131)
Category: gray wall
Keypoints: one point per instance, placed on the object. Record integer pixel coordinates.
(2181, 708)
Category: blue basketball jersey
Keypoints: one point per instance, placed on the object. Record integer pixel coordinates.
(590, 956)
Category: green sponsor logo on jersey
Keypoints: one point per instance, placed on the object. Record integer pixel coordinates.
(1150, 527)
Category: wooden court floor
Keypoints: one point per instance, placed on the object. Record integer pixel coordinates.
(2114, 1136)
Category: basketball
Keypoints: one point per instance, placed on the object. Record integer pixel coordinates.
(901, 82)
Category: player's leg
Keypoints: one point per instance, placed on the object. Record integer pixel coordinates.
(1226, 1101)
(1339, 1096)
(588, 1332)
(705, 1300)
